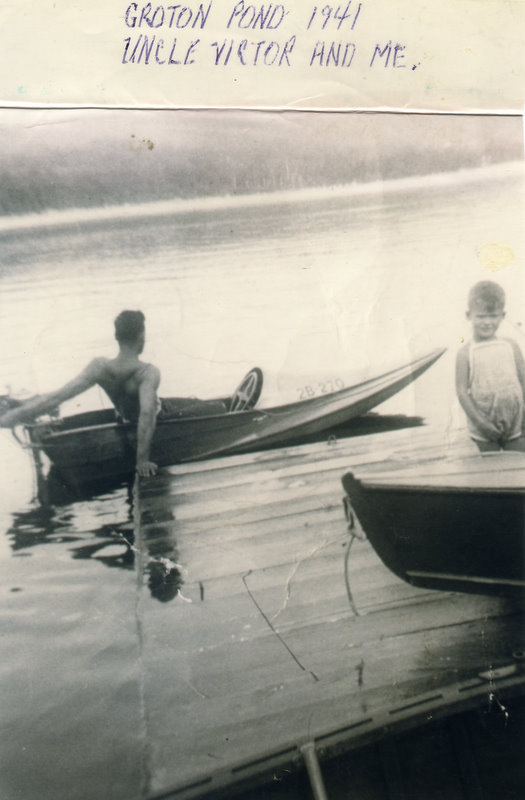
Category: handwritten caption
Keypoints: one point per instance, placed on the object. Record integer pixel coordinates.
(177, 35)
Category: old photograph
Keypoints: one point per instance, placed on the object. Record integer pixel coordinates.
(263, 474)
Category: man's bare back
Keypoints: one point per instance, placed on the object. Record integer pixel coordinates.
(121, 379)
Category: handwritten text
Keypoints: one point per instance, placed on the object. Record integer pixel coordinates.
(257, 35)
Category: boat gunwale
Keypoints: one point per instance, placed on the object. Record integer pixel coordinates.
(374, 483)
(446, 488)
(314, 403)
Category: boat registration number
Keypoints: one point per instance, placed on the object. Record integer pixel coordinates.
(322, 387)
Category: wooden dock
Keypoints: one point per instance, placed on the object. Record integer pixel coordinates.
(284, 646)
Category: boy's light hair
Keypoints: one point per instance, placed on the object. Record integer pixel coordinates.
(487, 294)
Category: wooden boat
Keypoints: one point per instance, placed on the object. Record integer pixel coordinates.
(94, 444)
(454, 525)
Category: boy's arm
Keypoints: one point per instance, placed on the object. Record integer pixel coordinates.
(469, 407)
(46, 402)
(520, 368)
(147, 421)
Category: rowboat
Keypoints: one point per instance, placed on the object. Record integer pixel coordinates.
(453, 525)
(95, 444)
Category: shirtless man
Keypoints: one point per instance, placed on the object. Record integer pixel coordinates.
(130, 384)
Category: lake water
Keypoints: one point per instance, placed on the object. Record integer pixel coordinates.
(328, 283)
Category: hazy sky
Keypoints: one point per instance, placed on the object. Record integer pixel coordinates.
(59, 130)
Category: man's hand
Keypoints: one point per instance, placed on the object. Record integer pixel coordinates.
(146, 469)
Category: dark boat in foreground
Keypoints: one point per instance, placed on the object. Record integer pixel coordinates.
(454, 525)
(96, 445)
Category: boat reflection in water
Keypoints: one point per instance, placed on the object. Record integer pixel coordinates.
(63, 507)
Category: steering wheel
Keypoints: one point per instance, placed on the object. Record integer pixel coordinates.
(248, 391)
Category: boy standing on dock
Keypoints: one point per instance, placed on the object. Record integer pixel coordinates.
(490, 375)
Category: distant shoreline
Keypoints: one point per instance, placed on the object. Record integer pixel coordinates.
(182, 206)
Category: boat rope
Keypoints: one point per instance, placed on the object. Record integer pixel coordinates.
(347, 581)
(353, 535)
(39, 478)
(24, 444)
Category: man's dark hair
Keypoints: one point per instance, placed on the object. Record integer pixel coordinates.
(128, 326)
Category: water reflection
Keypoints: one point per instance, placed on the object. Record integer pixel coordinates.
(164, 573)
(113, 544)
(95, 520)
(37, 526)
(52, 490)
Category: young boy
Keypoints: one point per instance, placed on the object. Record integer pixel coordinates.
(490, 375)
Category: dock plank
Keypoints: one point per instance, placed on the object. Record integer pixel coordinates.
(264, 650)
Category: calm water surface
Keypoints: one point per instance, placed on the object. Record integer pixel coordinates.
(331, 285)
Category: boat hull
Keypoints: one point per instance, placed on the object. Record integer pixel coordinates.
(94, 445)
(467, 534)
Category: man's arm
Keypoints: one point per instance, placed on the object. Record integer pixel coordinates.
(147, 421)
(462, 380)
(46, 402)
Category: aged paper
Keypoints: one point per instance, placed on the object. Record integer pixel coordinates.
(453, 55)
(239, 172)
